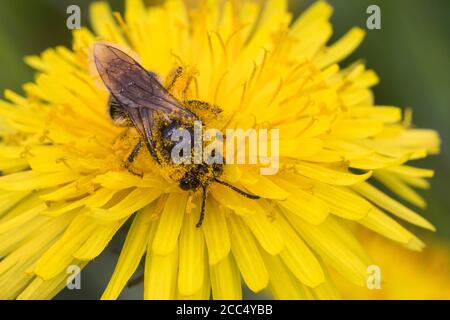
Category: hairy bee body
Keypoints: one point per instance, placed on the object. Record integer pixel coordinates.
(190, 176)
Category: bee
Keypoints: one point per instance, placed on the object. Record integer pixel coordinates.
(139, 100)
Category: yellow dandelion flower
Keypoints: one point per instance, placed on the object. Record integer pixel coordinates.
(65, 192)
(404, 274)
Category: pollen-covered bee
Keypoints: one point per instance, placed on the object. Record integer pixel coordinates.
(139, 100)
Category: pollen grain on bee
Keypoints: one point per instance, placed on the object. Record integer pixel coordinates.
(238, 146)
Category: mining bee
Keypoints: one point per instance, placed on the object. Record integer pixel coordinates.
(139, 100)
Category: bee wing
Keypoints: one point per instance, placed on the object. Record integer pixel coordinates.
(138, 91)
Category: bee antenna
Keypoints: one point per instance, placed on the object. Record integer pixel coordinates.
(202, 212)
(243, 193)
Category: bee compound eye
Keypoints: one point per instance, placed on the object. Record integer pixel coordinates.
(185, 184)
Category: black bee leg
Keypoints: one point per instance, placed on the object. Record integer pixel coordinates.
(179, 81)
(243, 193)
(173, 78)
(186, 87)
(202, 211)
(132, 157)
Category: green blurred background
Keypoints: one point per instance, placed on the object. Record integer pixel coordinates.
(410, 53)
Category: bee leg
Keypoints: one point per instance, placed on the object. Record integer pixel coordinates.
(179, 81)
(184, 93)
(132, 157)
(197, 105)
(202, 211)
(241, 192)
(173, 77)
